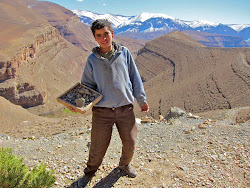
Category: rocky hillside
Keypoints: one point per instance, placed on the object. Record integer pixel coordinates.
(35, 58)
(178, 71)
(66, 22)
(43, 51)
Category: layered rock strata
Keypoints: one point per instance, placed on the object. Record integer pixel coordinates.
(15, 90)
(178, 71)
(36, 62)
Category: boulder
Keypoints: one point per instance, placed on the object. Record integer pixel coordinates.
(175, 112)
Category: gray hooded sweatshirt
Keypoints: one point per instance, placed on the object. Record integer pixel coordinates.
(117, 78)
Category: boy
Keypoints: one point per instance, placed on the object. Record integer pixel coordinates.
(111, 71)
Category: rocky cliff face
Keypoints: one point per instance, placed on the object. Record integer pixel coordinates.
(23, 94)
(181, 72)
(36, 63)
(9, 66)
(11, 86)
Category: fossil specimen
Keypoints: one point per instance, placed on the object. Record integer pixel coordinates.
(80, 96)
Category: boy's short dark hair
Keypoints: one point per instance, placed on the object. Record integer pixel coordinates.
(99, 24)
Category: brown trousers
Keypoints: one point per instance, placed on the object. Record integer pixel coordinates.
(103, 120)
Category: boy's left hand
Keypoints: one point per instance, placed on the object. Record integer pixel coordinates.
(145, 108)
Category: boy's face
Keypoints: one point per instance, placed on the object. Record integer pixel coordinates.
(104, 38)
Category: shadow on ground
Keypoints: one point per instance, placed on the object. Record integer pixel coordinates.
(106, 182)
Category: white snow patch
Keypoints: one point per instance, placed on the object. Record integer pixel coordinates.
(145, 16)
(114, 19)
(239, 27)
(201, 23)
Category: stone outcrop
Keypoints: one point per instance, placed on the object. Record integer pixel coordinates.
(23, 94)
(175, 112)
(7, 71)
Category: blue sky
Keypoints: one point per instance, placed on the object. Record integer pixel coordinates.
(221, 11)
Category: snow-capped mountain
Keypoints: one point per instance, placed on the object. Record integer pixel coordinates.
(88, 17)
(159, 24)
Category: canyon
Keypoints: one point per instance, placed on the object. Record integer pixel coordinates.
(179, 71)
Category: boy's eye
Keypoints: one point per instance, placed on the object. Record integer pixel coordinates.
(104, 35)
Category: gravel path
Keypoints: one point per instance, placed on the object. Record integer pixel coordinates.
(183, 152)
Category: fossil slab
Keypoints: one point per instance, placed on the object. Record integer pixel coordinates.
(80, 97)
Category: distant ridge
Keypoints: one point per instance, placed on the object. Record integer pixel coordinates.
(148, 26)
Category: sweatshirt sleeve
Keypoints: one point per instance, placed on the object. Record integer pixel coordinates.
(87, 76)
(137, 85)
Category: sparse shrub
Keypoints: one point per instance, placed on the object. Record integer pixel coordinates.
(15, 174)
(68, 112)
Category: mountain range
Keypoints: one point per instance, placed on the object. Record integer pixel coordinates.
(148, 26)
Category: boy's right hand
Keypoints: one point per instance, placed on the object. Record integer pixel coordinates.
(145, 108)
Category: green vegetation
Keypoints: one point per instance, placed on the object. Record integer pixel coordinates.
(15, 174)
(67, 111)
(59, 113)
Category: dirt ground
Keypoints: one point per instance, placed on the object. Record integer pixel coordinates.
(210, 151)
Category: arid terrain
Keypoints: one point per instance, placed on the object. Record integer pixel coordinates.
(179, 71)
(206, 150)
(43, 51)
